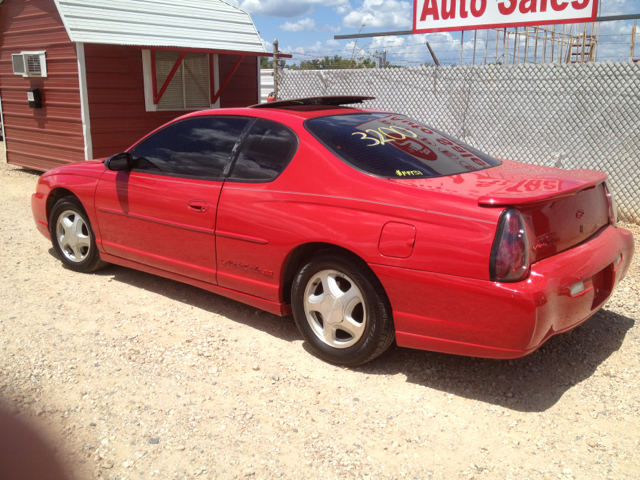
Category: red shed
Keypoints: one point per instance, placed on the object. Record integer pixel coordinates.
(84, 79)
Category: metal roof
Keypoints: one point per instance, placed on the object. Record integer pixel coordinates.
(203, 24)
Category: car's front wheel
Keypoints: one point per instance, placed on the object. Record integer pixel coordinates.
(72, 236)
(341, 309)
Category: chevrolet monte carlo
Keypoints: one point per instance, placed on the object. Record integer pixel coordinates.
(368, 226)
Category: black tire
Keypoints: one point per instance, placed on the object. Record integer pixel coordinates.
(83, 256)
(377, 332)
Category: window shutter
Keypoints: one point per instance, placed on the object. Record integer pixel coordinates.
(189, 87)
(172, 98)
(196, 76)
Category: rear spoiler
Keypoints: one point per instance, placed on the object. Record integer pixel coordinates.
(537, 190)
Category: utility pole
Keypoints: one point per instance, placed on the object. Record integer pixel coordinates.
(384, 59)
(433, 55)
(275, 67)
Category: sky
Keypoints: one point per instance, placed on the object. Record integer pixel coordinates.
(305, 28)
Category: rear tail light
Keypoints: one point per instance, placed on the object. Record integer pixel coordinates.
(510, 253)
(611, 200)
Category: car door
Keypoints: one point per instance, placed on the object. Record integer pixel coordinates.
(162, 212)
(248, 232)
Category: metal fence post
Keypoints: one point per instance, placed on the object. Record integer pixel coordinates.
(633, 39)
(475, 40)
(275, 68)
(504, 47)
(486, 45)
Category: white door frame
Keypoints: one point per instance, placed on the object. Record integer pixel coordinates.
(84, 102)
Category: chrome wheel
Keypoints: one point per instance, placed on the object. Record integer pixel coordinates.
(72, 235)
(335, 308)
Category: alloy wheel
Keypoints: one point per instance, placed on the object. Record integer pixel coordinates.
(335, 308)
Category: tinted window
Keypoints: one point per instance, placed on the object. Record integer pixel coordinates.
(197, 147)
(395, 146)
(265, 153)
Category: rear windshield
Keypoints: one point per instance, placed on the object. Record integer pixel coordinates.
(394, 146)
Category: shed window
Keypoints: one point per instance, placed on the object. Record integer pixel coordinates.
(189, 87)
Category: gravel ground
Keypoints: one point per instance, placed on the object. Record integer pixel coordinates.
(132, 376)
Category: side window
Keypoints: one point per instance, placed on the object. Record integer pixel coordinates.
(265, 153)
(197, 147)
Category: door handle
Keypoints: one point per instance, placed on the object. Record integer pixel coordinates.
(198, 206)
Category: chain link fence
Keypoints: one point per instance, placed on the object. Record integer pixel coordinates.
(567, 116)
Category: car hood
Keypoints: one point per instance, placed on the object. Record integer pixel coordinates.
(78, 168)
(512, 183)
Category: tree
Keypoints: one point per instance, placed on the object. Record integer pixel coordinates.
(266, 62)
(338, 62)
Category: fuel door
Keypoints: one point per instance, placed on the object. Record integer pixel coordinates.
(397, 240)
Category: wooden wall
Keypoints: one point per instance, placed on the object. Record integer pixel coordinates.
(39, 138)
(242, 90)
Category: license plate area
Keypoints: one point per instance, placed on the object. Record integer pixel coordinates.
(602, 286)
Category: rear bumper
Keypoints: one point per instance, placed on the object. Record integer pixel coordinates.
(480, 318)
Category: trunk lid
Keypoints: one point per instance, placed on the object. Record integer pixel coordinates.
(563, 222)
(532, 186)
(561, 208)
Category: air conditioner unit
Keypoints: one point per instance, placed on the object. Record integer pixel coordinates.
(29, 64)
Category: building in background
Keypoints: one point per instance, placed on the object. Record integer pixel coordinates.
(84, 79)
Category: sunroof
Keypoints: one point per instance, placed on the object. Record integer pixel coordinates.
(334, 100)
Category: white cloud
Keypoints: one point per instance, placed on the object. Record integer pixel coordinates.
(410, 50)
(284, 8)
(380, 14)
(329, 28)
(332, 43)
(317, 47)
(303, 25)
(343, 9)
(307, 25)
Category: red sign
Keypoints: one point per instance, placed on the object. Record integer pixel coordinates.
(452, 15)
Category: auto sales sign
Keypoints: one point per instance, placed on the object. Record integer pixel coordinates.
(450, 15)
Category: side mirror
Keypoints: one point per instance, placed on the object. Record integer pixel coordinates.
(118, 162)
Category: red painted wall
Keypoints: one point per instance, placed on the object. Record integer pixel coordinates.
(242, 91)
(39, 138)
(116, 95)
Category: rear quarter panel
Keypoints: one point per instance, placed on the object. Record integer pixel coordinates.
(319, 198)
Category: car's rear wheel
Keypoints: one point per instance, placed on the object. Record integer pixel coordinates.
(341, 309)
(72, 236)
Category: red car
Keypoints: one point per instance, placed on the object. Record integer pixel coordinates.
(368, 226)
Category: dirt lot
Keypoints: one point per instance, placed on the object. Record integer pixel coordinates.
(132, 376)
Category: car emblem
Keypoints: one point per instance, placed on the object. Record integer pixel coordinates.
(580, 214)
(545, 242)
